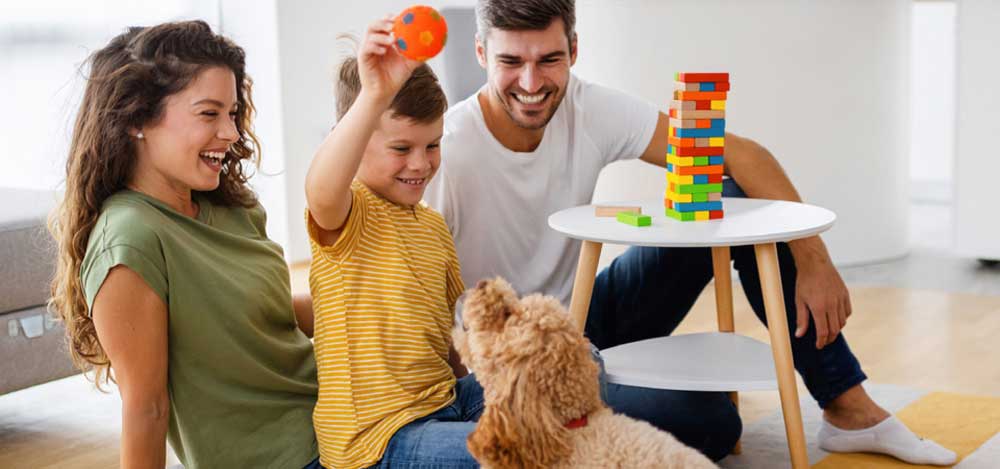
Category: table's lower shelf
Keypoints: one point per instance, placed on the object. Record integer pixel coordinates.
(710, 361)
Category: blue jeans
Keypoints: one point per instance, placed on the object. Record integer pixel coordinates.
(646, 292)
(438, 440)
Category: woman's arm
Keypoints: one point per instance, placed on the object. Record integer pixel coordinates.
(131, 323)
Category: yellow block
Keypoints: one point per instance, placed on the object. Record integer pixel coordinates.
(717, 141)
(678, 179)
(719, 105)
(680, 160)
(961, 423)
(701, 215)
(682, 198)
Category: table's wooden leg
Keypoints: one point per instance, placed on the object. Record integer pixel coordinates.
(781, 346)
(583, 285)
(724, 306)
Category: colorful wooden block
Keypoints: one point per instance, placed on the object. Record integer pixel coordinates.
(699, 179)
(680, 160)
(699, 197)
(701, 105)
(695, 151)
(698, 77)
(701, 86)
(716, 142)
(671, 196)
(715, 214)
(696, 206)
(701, 216)
(694, 188)
(700, 160)
(688, 114)
(678, 179)
(692, 170)
(680, 142)
(715, 160)
(634, 219)
(686, 216)
(714, 196)
(700, 95)
(683, 124)
(697, 133)
(698, 123)
(612, 210)
(703, 142)
(717, 105)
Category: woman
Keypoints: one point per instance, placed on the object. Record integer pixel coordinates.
(166, 277)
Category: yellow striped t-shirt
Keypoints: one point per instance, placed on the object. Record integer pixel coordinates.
(383, 297)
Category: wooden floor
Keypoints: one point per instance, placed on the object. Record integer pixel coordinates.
(924, 339)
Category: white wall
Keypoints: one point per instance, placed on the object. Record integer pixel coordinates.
(977, 223)
(932, 94)
(823, 85)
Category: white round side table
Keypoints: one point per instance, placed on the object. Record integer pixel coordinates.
(722, 361)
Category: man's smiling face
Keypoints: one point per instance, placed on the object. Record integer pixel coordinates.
(527, 71)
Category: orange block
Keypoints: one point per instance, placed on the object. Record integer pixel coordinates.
(692, 170)
(681, 142)
(703, 123)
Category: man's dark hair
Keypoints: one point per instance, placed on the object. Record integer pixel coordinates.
(524, 15)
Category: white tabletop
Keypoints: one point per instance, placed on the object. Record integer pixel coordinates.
(746, 221)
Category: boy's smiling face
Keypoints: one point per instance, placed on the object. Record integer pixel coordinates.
(401, 158)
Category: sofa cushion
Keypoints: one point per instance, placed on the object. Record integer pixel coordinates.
(27, 251)
(33, 349)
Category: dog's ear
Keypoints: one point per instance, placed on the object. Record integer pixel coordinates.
(519, 430)
(488, 306)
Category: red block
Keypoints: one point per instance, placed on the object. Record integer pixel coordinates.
(698, 151)
(715, 214)
(693, 77)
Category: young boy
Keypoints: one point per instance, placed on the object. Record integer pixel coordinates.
(384, 275)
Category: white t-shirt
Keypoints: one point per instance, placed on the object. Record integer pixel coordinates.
(497, 201)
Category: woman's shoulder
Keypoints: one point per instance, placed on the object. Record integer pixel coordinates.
(126, 218)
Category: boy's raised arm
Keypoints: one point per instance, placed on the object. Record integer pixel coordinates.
(382, 71)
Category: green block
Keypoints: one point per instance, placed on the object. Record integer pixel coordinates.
(699, 197)
(699, 188)
(681, 216)
(634, 219)
(701, 161)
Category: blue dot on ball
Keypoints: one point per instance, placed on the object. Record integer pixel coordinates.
(408, 18)
(401, 44)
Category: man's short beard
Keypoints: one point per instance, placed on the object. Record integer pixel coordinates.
(510, 112)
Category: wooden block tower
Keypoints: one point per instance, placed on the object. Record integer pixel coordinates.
(695, 146)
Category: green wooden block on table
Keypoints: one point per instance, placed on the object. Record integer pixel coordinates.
(699, 197)
(696, 188)
(701, 161)
(682, 216)
(634, 219)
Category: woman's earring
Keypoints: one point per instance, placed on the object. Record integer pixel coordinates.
(140, 136)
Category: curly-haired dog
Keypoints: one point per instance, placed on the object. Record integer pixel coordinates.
(543, 404)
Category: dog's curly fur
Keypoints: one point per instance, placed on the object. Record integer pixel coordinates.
(537, 374)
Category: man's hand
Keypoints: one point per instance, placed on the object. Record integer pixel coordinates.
(822, 294)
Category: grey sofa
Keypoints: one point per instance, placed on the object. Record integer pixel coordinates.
(32, 348)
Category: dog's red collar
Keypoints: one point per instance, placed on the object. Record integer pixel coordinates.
(577, 422)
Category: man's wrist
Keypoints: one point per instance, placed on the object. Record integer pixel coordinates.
(808, 252)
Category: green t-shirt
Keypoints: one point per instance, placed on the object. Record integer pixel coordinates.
(242, 377)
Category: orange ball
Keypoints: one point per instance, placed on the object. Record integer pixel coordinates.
(420, 32)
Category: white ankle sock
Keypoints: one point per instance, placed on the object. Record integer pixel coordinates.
(887, 437)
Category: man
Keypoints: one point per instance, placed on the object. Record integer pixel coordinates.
(533, 140)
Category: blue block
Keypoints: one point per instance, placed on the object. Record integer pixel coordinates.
(698, 206)
(712, 160)
(670, 167)
(670, 148)
(701, 179)
(706, 86)
(701, 133)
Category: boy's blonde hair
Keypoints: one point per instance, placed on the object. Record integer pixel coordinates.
(420, 99)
